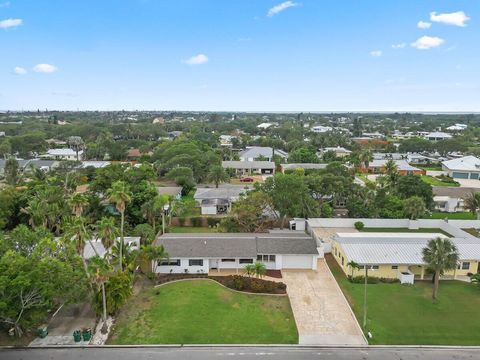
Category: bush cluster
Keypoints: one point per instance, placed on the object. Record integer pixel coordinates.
(372, 280)
(248, 284)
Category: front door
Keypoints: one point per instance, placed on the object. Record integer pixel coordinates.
(214, 264)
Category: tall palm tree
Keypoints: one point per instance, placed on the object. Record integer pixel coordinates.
(217, 175)
(391, 170)
(76, 230)
(414, 207)
(440, 255)
(100, 270)
(120, 195)
(77, 202)
(107, 231)
(472, 203)
(76, 144)
(36, 213)
(366, 157)
(152, 254)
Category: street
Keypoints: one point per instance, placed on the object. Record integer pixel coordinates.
(244, 353)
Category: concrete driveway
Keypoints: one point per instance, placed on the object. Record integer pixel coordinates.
(321, 311)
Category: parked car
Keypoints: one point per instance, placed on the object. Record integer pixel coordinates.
(247, 179)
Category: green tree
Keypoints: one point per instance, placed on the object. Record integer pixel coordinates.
(77, 202)
(472, 203)
(107, 231)
(250, 212)
(440, 255)
(353, 266)
(409, 186)
(120, 195)
(183, 176)
(217, 175)
(118, 289)
(12, 171)
(259, 269)
(76, 144)
(414, 207)
(146, 233)
(303, 155)
(100, 271)
(366, 157)
(153, 254)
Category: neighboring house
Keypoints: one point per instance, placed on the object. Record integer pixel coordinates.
(305, 166)
(457, 127)
(217, 201)
(250, 167)
(95, 247)
(421, 159)
(95, 164)
(374, 135)
(398, 255)
(437, 135)
(467, 167)
(175, 191)
(63, 154)
(251, 153)
(226, 140)
(133, 153)
(339, 151)
(450, 199)
(321, 129)
(265, 125)
(203, 253)
(403, 168)
(26, 165)
(2, 133)
(387, 156)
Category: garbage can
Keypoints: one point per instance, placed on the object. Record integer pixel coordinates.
(77, 336)
(42, 331)
(87, 334)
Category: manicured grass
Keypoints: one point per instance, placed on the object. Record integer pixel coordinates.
(190, 229)
(203, 312)
(429, 167)
(407, 230)
(402, 314)
(437, 182)
(452, 216)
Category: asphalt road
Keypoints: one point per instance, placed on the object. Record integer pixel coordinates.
(237, 353)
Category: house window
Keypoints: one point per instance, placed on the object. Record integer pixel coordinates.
(246, 261)
(169, 262)
(343, 260)
(465, 266)
(228, 260)
(266, 258)
(374, 267)
(195, 262)
(361, 267)
(394, 267)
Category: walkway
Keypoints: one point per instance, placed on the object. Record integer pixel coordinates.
(322, 313)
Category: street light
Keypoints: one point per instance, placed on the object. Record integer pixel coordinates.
(164, 212)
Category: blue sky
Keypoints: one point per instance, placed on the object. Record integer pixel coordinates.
(240, 55)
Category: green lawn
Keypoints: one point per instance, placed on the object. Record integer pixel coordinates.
(407, 230)
(452, 216)
(437, 182)
(190, 229)
(429, 167)
(407, 315)
(203, 312)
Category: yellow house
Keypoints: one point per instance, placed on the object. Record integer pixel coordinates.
(398, 255)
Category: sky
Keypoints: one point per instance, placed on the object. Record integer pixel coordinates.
(240, 55)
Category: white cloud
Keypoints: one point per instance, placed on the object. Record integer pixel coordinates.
(281, 7)
(19, 70)
(427, 42)
(8, 23)
(456, 18)
(376, 53)
(424, 25)
(399, 46)
(44, 68)
(197, 60)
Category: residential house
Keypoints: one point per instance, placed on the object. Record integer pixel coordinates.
(398, 255)
(175, 191)
(218, 201)
(403, 168)
(250, 167)
(252, 153)
(457, 127)
(450, 199)
(95, 164)
(339, 151)
(95, 246)
(204, 253)
(64, 154)
(467, 167)
(319, 129)
(437, 135)
(265, 125)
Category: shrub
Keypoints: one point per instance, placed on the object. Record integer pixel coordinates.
(181, 221)
(238, 282)
(257, 286)
(359, 225)
(196, 221)
(371, 280)
(213, 222)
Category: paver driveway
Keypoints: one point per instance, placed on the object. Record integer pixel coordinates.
(322, 313)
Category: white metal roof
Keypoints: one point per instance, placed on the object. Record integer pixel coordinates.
(466, 163)
(398, 248)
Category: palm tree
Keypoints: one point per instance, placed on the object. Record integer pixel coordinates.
(217, 175)
(414, 207)
(365, 157)
(100, 270)
(353, 265)
(472, 203)
(391, 170)
(259, 269)
(120, 195)
(107, 231)
(440, 255)
(77, 202)
(153, 207)
(249, 269)
(152, 253)
(76, 230)
(36, 213)
(75, 143)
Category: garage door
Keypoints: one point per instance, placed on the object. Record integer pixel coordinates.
(297, 261)
(459, 175)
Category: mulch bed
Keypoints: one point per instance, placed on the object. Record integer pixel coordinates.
(274, 273)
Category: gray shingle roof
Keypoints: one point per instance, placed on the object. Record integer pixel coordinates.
(236, 245)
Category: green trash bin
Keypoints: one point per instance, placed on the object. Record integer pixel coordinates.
(87, 334)
(77, 336)
(42, 331)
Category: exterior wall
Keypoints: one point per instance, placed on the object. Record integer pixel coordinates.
(184, 266)
(299, 262)
(209, 210)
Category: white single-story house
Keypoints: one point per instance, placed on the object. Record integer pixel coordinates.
(252, 153)
(450, 199)
(339, 151)
(97, 164)
(202, 253)
(217, 201)
(437, 135)
(63, 154)
(467, 167)
(250, 167)
(321, 129)
(457, 127)
(95, 246)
